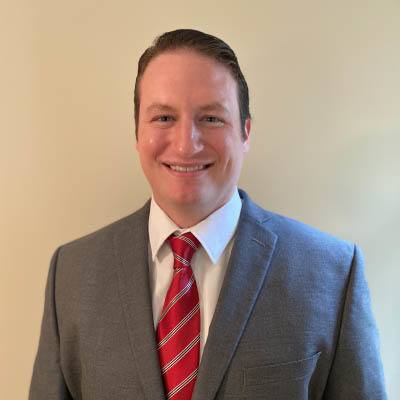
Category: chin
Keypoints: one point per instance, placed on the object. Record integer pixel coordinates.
(189, 199)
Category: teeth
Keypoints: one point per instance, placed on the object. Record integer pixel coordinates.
(187, 169)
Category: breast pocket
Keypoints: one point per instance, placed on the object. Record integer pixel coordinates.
(286, 371)
(287, 380)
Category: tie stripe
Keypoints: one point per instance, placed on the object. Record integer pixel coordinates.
(189, 241)
(178, 329)
(179, 387)
(181, 354)
(178, 326)
(177, 297)
(186, 263)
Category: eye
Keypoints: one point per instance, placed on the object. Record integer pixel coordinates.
(163, 118)
(213, 120)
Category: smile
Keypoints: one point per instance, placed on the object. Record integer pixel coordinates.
(187, 169)
(191, 168)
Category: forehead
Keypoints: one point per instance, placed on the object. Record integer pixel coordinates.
(186, 75)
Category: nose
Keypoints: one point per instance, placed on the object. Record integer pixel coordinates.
(187, 138)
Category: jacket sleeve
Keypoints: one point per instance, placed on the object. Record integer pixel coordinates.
(356, 371)
(47, 379)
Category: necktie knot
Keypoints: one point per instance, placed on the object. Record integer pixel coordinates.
(183, 247)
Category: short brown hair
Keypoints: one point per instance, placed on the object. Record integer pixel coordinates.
(205, 44)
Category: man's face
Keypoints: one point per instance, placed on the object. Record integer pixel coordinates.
(190, 140)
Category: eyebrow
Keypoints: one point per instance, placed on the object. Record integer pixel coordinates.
(160, 107)
(216, 106)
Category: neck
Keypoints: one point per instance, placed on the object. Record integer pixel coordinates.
(185, 218)
(188, 215)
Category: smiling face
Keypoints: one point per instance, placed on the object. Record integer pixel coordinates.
(190, 140)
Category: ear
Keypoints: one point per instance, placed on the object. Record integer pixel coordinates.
(137, 140)
(246, 139)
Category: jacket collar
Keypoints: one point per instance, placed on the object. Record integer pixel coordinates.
(247, 268)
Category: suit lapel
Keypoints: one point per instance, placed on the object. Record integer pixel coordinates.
(131, 245)
(246, 271)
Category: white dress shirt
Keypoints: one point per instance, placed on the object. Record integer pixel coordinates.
(216, 235)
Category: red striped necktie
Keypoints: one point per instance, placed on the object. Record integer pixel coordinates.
(178, 329)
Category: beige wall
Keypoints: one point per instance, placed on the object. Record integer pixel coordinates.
(325, 96)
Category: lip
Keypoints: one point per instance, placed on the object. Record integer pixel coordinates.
(194, 173)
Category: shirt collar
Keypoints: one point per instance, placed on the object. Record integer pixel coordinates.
(213, 232)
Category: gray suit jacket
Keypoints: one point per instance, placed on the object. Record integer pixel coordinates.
(293, 319)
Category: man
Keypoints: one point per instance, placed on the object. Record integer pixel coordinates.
(202, 294)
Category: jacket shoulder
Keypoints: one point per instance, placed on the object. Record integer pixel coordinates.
(137, 221)
(300, 239)
(93, 256)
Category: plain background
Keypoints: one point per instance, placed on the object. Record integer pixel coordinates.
(324, 78)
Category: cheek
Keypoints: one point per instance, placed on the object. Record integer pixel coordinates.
(233, 151)
(149, 147)
(222, 146)
(230, 149)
